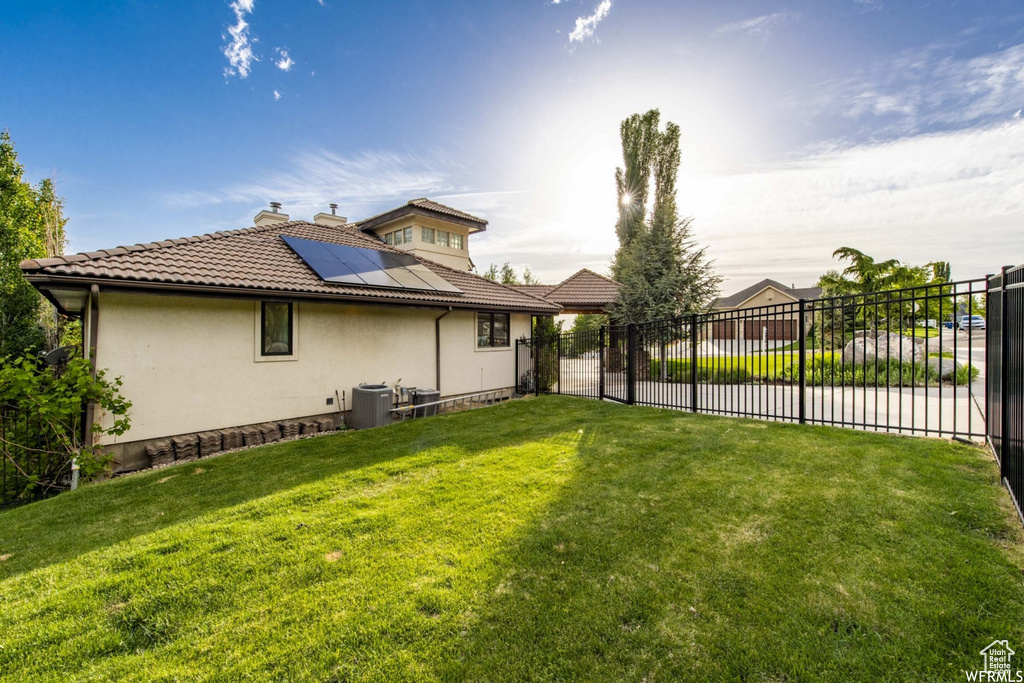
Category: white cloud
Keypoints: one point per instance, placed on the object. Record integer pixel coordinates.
(868, 5)
(360, 184)
(283, 62)
(277, 95)
(585, 25)
(758, 27)
(954, 196)
(239, 50)
(928, 87)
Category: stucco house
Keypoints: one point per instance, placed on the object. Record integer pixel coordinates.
(268, 322)
(781, 326)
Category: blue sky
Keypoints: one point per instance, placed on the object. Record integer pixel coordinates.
(893, 127)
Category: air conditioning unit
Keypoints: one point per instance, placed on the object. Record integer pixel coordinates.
(371, 406)
(421, 396)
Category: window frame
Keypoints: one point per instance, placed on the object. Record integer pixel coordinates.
(407, 235)
(263, 326)
(490, 316)
(452, 237)
(424, 232)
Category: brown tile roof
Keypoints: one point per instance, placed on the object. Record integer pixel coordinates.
(534, 290)
(424, 205)
(258, 259)
(585, 287)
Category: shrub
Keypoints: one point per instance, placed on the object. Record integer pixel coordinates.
(41, 413)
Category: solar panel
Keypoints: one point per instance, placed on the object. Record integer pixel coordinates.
(342, 264)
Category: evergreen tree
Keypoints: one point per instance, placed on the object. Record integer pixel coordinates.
(662, 270)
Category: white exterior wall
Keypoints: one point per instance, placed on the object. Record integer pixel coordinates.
(192, 364)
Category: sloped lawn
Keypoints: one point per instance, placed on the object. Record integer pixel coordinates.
(545, 539)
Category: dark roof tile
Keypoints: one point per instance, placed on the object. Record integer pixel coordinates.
(257, 258)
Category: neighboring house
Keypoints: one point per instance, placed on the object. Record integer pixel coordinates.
(583, 292)
(779, 326)
(267, 323)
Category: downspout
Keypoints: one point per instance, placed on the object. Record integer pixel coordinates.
(437, 344)
(90, 336)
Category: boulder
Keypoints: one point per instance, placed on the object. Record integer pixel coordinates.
(944, 367)
(869, 348)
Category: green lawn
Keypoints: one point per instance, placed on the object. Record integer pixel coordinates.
(546, 539)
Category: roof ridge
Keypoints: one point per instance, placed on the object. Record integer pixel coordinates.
(31, 264)
(581, 270)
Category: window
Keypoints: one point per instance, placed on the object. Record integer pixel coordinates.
(491, 329)
(276, 328)
(442, 238)
(407, 235)
(389, 238)
(456, 241)
(427, 235)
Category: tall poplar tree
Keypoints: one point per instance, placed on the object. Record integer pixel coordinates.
(663, 271)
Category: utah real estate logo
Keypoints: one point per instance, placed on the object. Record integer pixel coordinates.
(996, 664)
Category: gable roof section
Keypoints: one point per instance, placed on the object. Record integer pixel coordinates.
(739, 297)
(424, 207)
(585, 287)
(257, 260)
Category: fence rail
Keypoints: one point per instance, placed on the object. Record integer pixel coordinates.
(33, 463)
(940, 360)
(903, 360)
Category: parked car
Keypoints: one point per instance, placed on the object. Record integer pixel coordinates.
(968, 322)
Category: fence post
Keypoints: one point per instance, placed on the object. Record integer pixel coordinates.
(519, 347)
(537, 346)
(1004, 413)
(630, 364)
(558, 360)
(600, 362)
(693, 362)
(803, 360)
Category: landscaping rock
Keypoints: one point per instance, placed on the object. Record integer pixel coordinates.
(883, 347)
(946, 368)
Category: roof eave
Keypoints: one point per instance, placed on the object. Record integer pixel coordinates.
(38, 279)
(403, 211)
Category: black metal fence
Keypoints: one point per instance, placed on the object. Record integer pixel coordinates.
(907, 361)
(33, 461)
(1005, 420)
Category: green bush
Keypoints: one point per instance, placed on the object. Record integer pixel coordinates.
(828, 369)
(41, 412)
(822, 368)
